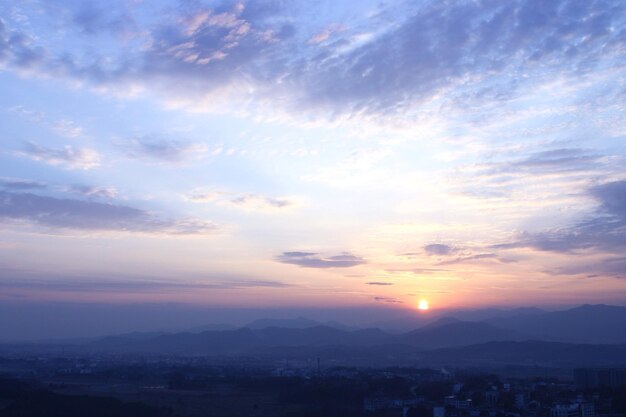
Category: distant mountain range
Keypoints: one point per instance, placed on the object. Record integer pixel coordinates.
(529, 353)
(584, 324)
(586, 335)
(415, 321)
(297, 323)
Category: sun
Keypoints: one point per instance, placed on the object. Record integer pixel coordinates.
(422, 305)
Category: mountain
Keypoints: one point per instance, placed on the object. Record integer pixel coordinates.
(440, 322)
(493, 313)
(450, 332)
(405, 324)
(297, 323)
(420, 319)
(596, 324)
(211, 327)
(530, 353)
(240, 341)
(446, 333)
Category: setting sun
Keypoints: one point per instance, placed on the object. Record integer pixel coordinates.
(422, 305)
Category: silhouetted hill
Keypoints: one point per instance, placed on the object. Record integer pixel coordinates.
(243, 340)
(421, 319)
(320, 335)
(585, 324)
(246, 340)
(211, 327)
(456, 333)
(440, 322)
(492, 313)
(530, 353)
(297, 323)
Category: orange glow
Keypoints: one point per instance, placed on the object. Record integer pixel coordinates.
(422, 305)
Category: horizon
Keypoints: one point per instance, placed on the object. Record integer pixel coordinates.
(49, 322)
(356, 159)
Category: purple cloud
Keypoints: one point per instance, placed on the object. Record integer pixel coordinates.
(315, 260)
(92, 216)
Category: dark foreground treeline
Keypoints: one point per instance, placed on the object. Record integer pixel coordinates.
(22, 399)
(195, 395)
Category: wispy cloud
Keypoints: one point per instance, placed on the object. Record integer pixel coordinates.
(326, 34)
(202, 54)
(315, 260)
(68, 128)
(245, 201)
(129, 285)
(165, 150)
(603, 266)
(92, 191)
(93, 216)
(604, 229)
(68, 157)
(64, 127)
(21, 184)
(391, 300)
(545, 168)
(476, 258)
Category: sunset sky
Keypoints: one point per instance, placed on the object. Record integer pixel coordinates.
(330, 154)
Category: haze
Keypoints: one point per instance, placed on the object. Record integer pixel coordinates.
(172, 164)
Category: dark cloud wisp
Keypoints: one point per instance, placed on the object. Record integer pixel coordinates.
(18, 184)
(315, 260)
(604, 229)
(438, 249)
(75, 214)
(165, 150)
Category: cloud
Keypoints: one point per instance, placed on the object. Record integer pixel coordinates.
(245, 201)
(612, 198)
(614, 267)
(325, 34)
(31, 115)
(391, 300)
(417, 271)
(430, 51)
(128, 285)
(67, 157)
(92, 19)
(438, 249)
(603, 229)
(21, 184)
(165, 150)
(379, 283)
(315, 260)
(245, 52)
(503, 177)
(67, 128)
(63, 127)
(477, 257)
(92, 191)
(552, 161)
(93, 216)
(257, 202)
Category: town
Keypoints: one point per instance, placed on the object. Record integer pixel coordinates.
(190, 387)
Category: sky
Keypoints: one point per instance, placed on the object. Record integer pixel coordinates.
(323, 155)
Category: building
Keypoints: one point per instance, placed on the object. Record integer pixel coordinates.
(458, 403)
(439, 411)
(599, 377)
(565, 410)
